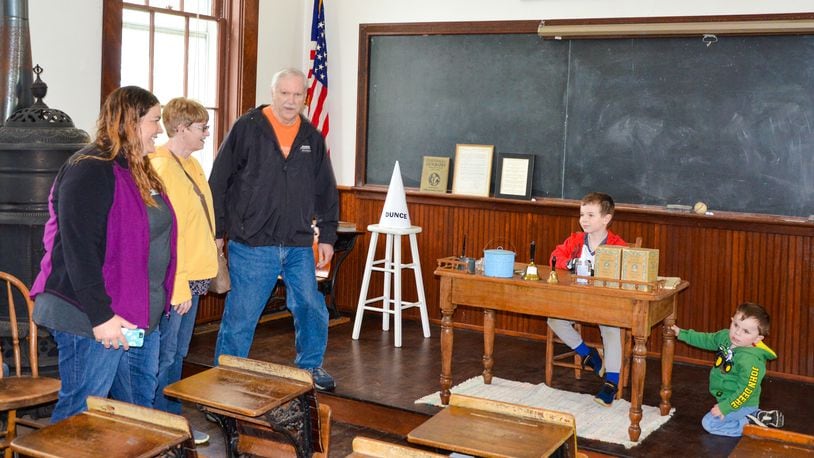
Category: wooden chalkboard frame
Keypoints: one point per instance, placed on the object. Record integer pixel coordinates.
(369, 31)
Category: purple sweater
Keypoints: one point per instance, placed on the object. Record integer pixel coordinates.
(97, 243)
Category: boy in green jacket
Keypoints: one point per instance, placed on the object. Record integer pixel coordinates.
(740, 364)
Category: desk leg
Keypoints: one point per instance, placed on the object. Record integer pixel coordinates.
(294, 422)
(488, 344)
(228, 426)
(667, 354)
(447, 310)
(637, 386)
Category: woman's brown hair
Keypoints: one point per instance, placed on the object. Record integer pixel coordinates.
(117, 133)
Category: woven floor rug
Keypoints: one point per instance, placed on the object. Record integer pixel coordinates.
(593, 421)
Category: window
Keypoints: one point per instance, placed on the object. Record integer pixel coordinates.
(183, 48)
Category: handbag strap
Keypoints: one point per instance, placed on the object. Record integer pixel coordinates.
(197, 191)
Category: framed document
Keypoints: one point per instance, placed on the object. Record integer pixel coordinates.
(473, 169)
(514, 175)
(435, 174)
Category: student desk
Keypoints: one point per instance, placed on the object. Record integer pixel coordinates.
(758, 441)
(634, 310)
(275, 396)
(482, 427)
(110, 429)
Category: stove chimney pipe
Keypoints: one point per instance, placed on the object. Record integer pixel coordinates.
(15, 58)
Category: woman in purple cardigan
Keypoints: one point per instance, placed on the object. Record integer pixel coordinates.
(109, 263)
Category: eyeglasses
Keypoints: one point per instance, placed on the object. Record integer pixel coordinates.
(201, 128)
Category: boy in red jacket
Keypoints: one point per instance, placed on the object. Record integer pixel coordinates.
(595, 214)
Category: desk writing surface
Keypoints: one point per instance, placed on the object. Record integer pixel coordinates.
(239, 391)
(482, 433)
(93, 434)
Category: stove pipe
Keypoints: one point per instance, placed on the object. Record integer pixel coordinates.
(15, 57)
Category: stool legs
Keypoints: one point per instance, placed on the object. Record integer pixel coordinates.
(388, 275)
(391, 266)
(360, 306)
(419, 281)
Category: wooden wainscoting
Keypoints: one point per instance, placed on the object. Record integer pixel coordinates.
(728, 258)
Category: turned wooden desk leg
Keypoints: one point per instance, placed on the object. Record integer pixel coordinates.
(447, 310)
(637, 386)
(667, 354)
(488, 344)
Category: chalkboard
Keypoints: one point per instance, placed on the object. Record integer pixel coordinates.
(648, 120)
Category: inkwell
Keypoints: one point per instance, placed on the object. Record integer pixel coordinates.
(467, 264)
(531, 269)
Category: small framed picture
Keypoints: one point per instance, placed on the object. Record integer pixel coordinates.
(473, 169)
(514, 176)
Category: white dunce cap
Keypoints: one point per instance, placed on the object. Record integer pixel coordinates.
(395, 212)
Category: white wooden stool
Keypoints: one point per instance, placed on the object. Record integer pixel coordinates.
(391, 265)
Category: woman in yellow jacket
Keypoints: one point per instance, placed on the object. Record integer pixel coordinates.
(185, 184)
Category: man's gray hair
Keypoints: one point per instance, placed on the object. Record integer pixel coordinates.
(285, 73)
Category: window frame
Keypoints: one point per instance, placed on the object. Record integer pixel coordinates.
(237, 72)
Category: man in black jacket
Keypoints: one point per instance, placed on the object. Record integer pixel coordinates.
(271, 178)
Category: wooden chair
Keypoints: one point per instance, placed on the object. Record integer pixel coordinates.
(22, 390)
(572, 360)
(114, 429)
(364, 447)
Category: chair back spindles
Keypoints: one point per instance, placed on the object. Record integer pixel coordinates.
(12, 284)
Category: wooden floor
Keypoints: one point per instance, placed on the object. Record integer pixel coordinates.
(390, 379)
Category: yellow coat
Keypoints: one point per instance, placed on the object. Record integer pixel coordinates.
(197, 255)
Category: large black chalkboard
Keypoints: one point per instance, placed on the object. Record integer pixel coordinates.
(649, 120)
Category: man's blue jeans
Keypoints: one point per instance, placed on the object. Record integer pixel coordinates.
(176, 332)
(253, 272)
(87, 368)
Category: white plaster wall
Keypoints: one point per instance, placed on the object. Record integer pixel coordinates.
(281, 41)
(66, 40)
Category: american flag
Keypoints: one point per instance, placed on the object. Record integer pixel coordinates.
(317, 97)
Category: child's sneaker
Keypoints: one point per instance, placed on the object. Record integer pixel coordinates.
(594, 361)
(607, 394)
(767, 418)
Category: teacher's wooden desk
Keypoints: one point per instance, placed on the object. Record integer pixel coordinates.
(631, 309)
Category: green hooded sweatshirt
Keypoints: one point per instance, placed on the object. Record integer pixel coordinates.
(740, 386)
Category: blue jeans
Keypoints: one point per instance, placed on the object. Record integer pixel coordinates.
(176, 332)
(731, 425)
(253, 272)
(87, 368)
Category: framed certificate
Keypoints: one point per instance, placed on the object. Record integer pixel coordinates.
(514, 174)
(473, 169)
